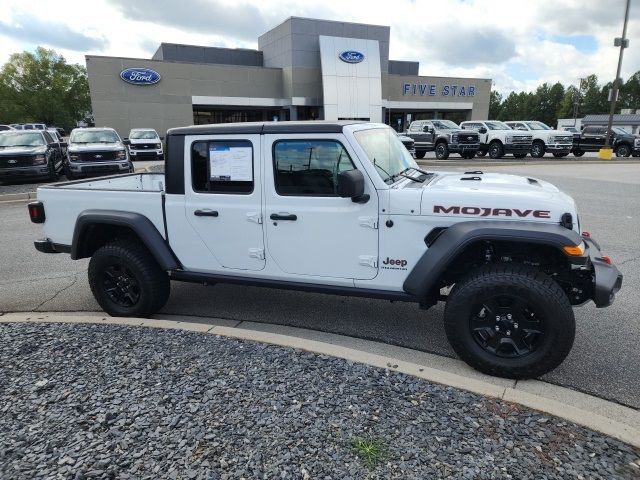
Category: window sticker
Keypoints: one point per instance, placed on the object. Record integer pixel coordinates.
(230, 164)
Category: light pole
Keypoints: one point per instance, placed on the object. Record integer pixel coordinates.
(606, 153)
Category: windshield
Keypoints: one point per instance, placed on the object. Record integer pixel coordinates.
(538, 126)
(620, 131)
(93, 136)
(14, 139)
(497, 126)
(445, 125)
(386, 152)
(145, 134)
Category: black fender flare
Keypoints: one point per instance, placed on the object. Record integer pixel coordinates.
(453, 240)
(138, 223)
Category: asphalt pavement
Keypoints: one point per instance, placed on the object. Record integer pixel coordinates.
(604, 361)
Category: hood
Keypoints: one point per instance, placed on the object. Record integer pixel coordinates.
(89, 147)
(458, 197)
(10, 151)
(136, 141)
(404, 138)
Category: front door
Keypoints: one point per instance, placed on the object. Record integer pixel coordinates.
(310, 230)
(224, 201)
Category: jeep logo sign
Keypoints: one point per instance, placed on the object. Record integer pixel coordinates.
(140, 76)
(351, 56)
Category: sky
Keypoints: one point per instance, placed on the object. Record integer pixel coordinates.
(517, 43)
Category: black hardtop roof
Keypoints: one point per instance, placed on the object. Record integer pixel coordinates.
(261, 128)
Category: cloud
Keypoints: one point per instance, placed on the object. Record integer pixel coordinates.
(28, 28)
(242, 21)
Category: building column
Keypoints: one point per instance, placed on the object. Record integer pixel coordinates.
(293, 113)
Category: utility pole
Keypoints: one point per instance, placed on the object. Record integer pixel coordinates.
(623, 43)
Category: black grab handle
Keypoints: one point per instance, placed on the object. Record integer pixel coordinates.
(206, 213)
(283, 216)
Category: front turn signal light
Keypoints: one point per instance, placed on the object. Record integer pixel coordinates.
(574, 251)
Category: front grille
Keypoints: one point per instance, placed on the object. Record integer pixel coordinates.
(408, 144)
(468, 138)
(17, 161)
(522, 139)
(145, 146)
(100, 169)
(563, 139)
(97, 156)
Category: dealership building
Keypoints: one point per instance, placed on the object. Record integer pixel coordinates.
(303, 69)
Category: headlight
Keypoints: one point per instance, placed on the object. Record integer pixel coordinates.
(636, 142)
(73, 157)
(121, 155)
(39, 160)
(454, 138)
(158, 146)
(508, 139)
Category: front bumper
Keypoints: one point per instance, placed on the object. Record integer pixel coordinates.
(559, 147)
(607, 279)
(99, 168)
(146, 154)
(34, 171)
(463, 147)
(517, 148)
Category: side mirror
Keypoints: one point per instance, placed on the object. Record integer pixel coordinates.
(351, 185)
(482, 130)
(426, 129)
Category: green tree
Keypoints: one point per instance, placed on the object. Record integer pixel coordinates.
(495, 104)
(629, 96)
(43, 87)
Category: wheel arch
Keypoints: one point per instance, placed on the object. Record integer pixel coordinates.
(449, 245)
(95, 228)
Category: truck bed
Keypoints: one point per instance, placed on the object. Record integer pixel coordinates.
(63, 202)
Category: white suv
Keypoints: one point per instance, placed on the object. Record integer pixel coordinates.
(498, 139)
(144, 144)
(545, 139)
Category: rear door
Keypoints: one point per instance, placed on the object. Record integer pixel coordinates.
(592, 138)
(420, 138)
(310, 229)
(223, 202)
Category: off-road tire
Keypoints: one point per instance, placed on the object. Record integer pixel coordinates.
(481, 153)
(153, 282)
(496, 150)
(442, 150)
(538, 290)
(623, 151)
(538, 149)
(420, 153)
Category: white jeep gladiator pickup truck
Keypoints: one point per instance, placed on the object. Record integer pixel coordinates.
(341, 208)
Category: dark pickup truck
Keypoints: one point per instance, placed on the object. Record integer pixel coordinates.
(592, 139)
(29, 154)
(443, 137)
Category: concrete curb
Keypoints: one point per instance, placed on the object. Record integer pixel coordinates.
(597, 414)
(18, 197)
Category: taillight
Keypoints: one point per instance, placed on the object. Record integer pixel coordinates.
(36, 212)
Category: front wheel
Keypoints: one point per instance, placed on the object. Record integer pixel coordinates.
(623, 151)
(510, 320)
(496, 150)
(481, 153)
(126, 280)
(442, 151)
(420, 153)
(538, 149)
(578, 153)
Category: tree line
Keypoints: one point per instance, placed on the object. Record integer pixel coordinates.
(41, 87)
(549, 102)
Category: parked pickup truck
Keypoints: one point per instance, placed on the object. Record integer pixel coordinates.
(29, 154)
(443, 137)
(341, 208)
(545, 139)
(96, 151)
(498, 139)
(144, 143)
(592, 139)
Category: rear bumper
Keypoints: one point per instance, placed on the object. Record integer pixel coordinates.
(35, 171)
(47, 246)
(607, 278)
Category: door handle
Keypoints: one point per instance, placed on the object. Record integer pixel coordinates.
(206, 213)
(283, 216)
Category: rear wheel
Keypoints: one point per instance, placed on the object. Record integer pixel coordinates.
(496, 150)
(127, 281)
(538, 149)
(420, 153)
(510, 320)
(442, 151)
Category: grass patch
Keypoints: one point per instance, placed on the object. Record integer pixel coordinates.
(369, 450)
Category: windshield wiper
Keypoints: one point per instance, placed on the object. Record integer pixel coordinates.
(424, 172)
(410, 177)
(389, 177)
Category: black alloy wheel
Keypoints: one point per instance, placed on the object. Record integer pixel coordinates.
(120, 284)
(442, 151)
(496, 150)
(623, 151)
(537, 149)
(506, 326)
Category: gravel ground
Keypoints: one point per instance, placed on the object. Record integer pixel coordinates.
(100, 401)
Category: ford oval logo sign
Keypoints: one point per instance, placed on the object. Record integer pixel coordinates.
(140, 76)
(351, 56)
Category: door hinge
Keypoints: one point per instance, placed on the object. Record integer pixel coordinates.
(254, 217)
(368, 261)
(256, 253)
(371, 222)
